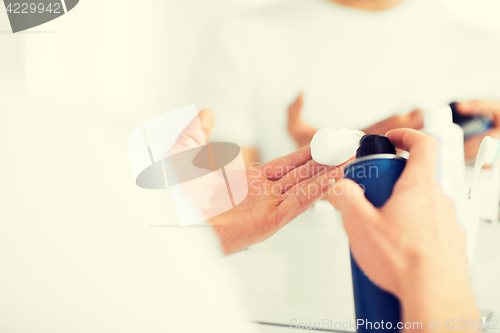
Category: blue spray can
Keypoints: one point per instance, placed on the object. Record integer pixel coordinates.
(376, 169)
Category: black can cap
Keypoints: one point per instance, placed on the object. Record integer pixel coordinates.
(375, 144)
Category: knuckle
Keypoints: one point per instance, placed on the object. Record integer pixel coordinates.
(400, 120)
(476, 103)
(288, 187)
(301, 198)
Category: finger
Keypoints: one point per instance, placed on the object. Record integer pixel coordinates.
(382, 126)
(414, 119)
(207, 120)
(481, 107)
(301, 132)
(422, 148)
(472, 144)
(310, 169)
(349, 198)
(301, 173)
(195, 134)
(295, 108)
(279, 167)
(303, 195)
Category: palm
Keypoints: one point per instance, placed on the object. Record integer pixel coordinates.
(259, 210)
(274, 199)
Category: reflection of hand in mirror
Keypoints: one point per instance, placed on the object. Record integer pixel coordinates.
(488, 108)
(413, 120)
(302, 133)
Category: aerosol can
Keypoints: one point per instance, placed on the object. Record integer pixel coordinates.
(376, 169)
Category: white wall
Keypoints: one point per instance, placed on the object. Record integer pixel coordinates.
(482, 13)
(135, 59)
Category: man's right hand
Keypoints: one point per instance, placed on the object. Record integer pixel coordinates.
(413, 246)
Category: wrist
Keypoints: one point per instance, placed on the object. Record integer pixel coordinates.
(437, 292)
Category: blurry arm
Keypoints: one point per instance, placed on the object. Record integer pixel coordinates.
(436, 295)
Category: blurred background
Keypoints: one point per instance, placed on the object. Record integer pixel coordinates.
(137, 57)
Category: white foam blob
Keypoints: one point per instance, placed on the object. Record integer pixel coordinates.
(334, 147)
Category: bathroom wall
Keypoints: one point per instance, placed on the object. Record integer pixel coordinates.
(133, 57)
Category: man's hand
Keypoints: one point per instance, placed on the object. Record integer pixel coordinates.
(278, 192)
(486, 108)
(302, 133)
(413, 246)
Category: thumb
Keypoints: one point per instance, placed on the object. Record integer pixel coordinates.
(349, 198)
(193, 136)
(207, 120)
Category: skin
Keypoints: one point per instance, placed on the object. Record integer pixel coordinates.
(275, 198)
(413, 246)
(370, 5)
